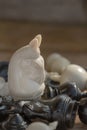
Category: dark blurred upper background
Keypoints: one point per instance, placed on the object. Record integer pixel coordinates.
(62, 23)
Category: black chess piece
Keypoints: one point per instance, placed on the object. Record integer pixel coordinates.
(72, 91)
(82, 111)
(16, 122)
(61, 108)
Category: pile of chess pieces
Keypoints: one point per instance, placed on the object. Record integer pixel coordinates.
(32, 97)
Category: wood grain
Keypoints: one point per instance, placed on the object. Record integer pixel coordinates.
(68, 40)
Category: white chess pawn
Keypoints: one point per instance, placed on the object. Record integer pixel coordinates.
(4, 91)
(26, 72)
(42, 126)
(56, 63)
(53, 76)
(75, 73)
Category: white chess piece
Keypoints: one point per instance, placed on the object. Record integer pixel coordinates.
(26, 72)
(53, 76)
(56, 63)
(75, 73)
(42, 126)
(4, 91)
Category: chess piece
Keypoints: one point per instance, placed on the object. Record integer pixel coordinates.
(26, 72)
(16, 122)
(72, 91)
(56, 63)
(82, 111)
(75, 73)
(42, 126)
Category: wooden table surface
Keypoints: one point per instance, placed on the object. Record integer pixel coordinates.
(79, 125)
(68, 40)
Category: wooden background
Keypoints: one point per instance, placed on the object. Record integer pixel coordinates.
(68, 40)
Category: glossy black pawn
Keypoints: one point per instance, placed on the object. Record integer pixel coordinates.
(51, 83)
(72, 91)
(82, 111)
(16, 123)
(53, 89)
(68, 112)
(61, 108)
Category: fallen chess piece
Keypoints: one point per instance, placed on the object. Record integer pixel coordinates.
(61, 109)
(75, 73)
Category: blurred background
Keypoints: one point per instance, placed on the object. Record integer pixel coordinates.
(62, 23)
